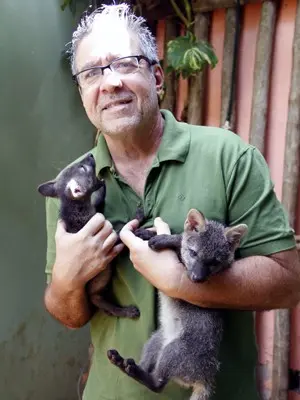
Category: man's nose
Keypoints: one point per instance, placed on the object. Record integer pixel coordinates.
(110, 80)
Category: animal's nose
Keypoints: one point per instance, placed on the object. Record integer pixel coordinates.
(91, 160)
(197, 278)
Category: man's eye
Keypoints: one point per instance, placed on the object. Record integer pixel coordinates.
(125, 66)
(92, 73)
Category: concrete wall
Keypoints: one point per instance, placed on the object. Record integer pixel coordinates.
(42, 127)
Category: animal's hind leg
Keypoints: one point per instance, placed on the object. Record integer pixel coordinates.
(151, 352)
(201, 392)
(130, 368)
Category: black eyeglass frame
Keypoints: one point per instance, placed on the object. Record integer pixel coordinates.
(102, 68)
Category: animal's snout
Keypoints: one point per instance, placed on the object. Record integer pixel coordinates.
(195, 278)
(91, 160)
(199, 275)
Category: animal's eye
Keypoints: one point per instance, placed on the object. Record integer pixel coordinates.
(193, 253)
(82, 168)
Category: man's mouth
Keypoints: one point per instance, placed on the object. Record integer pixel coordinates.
(116, 103)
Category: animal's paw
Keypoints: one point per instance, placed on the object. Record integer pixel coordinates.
(115, 358)
(139, 215)
(132, 312)
(130, 366)
(144, 234)
(157, 242)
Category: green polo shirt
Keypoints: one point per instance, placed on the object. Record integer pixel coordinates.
(200, 167)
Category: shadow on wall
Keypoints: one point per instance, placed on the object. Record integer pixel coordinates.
(43, 127)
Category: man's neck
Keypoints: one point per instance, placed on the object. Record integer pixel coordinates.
(133, 154)
(137, 145)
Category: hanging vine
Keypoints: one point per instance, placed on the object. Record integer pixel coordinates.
(186, 55)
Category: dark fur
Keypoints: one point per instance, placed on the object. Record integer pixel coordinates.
(186, 346)
(76, 212)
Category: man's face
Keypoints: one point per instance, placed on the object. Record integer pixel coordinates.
(117, 104)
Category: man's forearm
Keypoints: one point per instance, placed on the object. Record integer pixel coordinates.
(253, 283)
(69, 306)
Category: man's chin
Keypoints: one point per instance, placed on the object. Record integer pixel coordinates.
(119, 125)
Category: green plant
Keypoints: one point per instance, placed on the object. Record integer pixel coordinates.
(185, 54)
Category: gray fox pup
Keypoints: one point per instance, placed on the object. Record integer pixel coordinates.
(186, 346)
(81, 195)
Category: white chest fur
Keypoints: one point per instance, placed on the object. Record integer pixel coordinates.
(170, 320)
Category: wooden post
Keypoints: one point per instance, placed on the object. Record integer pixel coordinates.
(169, 99)
(298, 243)
(210, 5)
(262, 69)
(197, 84)
(291, 178)
(227, 66)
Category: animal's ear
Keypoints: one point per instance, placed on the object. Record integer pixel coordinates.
(48, 189)
(235, 233)
(195, 221)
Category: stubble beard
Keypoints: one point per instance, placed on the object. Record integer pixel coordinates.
(129, 124)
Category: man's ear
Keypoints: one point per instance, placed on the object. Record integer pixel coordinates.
(48, 189)
(159, 78)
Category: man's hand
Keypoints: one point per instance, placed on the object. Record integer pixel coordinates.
(162, 269)
(81, 256)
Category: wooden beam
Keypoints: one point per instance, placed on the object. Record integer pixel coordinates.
(197, 84)
(281, 355)
(291, 176)
(262, 69)
(155, 10)
(298, 243)
(227, 67)
(169, 99)
(210, 5)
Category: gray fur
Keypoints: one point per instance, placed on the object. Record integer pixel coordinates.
(186, 346)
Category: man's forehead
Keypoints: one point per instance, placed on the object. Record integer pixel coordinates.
(104, 43)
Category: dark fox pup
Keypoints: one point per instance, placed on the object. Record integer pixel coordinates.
(185, 348)
(81, 195)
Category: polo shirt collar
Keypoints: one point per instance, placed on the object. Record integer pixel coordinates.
(173, 147)
(175, 142)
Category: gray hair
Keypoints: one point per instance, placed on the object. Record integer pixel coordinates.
(120, 13)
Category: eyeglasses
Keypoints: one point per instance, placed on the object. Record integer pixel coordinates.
(122, 66)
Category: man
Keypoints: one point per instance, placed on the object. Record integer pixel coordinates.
(147, 158)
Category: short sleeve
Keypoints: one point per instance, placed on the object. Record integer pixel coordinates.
(252, 200)
(52, 211)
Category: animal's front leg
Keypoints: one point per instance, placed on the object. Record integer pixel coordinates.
(130, 368)
(160, 242)
(114, 310)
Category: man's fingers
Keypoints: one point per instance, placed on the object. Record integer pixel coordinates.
(127, 236)
(60, 228)
(115, 251)
(162, 228)
(109, 242)
(104, 232)
(152, 229)
(94, 225)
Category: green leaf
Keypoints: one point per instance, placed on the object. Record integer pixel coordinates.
(65, 4)
(187, 56)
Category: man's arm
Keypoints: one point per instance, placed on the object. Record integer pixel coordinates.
(79, 258)
(252, 283)
(67, 305)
